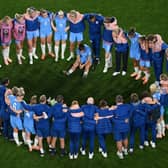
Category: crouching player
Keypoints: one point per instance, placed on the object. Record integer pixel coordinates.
(58, 128)
(89, 126)
(41, 117)
(121, 121)
(83, 60)
(137, 121)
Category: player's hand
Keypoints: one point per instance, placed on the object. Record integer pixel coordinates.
(66, 29)
(45, 116)
(126, 120)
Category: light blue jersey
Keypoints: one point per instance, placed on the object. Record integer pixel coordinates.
(157, 96)
(84, 55)
(45, 26)
(15, 120)
(12, 99)
(134, 47)
(28, 122)
(61, 24)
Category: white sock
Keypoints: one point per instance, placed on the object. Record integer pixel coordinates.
(16, 137)
(72, 54)
(139, 72)
(21, 52)
(110, 60)
(49, 47)
(34, 50)
(31, 55)
(43, 48)
(85, 73)
(24, 136)
(106, 62)
(35, 141)
(19, 57)
(162, 123)
(5, 53)
(63, 47)
(136, 69)
(56, 52)
(70, 71)
(8, 51)
(158, 126)
(29, 143)
(147, 75)
(41, 150)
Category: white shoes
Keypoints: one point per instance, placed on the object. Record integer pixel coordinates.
(105, 69)
(131, 150)
(31, 61)
(83, 152)
(125, 151)
(76, 156)
(141, 147)
(116, 73)
(71, 157)
(19, 61)
(56, 59)
(104, 154)
(35, 56)
(120, 155)
(100, 149)
(85, 74)
(123, 73)
(19, 144)
(153, 144)
(23, 57)
(70, 57)
(91, 155)
(146, 143)
(62, 57)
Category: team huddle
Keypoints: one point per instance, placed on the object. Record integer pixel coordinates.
(53, 120)
(143, 50)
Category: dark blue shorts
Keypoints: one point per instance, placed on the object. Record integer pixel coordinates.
(120, 136)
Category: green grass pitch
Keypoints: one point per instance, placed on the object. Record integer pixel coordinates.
(45, 77)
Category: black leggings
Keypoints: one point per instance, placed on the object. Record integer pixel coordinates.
(121, 56)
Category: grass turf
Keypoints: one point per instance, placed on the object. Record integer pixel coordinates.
(45, 77)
